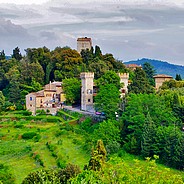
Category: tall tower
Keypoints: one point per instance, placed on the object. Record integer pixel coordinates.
(124, 79)
(83, 44)
(87, 91)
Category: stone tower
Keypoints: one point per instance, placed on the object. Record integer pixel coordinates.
(83, 44)
(124, 79)
(87, 91)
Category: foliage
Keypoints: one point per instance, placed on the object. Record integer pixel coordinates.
(140, 83)
(29, 135)
(108, 131)
(172, 84)
(110, 77)
(118, 171)
(16, 54)
(98, 157)
(150, 72)
(2, 100)
(178, 77)
(72, 89)
(6, 176)
(161, 66)
(107, 100)
(145, 120)
(67, 173)
(42, 176)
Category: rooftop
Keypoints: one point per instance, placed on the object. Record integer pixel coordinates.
(162, 76)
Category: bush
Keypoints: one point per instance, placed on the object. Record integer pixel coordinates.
(6, 176)
(69, 172)
(113, 147)
(41, 177)
(29, 135)
(18, 126)
(61, 163)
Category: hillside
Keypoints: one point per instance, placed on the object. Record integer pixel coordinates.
(161, 67)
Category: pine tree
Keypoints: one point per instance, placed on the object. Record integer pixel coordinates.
(16, 54)
(150, 72)
(98, 157)
(2, 55)
(178, 77)
(140, 83)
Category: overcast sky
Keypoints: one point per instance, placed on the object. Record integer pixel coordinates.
(129, 29)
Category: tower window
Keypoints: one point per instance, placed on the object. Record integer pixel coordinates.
(89, 100)
(31, 98)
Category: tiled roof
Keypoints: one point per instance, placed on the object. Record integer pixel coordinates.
(162, 76)
(39, 93)
(84, 39)
(133, 66)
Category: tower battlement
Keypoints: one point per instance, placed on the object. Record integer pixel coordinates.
(85, 75)
(123, 75)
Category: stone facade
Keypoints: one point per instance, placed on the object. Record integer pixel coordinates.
(159, 79)
(51, 98)
(87, 91)
(124, 80)
(83, 44)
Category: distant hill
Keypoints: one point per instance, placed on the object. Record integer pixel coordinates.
(8, 57)
(161, 67)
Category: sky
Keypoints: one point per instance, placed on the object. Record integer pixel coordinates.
(129, 29)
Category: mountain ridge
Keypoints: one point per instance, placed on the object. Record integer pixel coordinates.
(161, 67)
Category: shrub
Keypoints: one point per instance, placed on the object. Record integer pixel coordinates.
(6, 176)
(113, 147)
(18, 126)
(43, 176)
(69, 172)
(61, 163)
(29, 135)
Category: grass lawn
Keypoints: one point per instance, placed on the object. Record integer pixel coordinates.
(18, 153)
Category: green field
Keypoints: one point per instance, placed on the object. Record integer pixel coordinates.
(53, 145)
(20, 154)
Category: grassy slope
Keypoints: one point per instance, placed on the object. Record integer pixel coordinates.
(15, 152)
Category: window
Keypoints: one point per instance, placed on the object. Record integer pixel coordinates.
(30, 105)
(31, 98)
(89, 100)
(89, 91)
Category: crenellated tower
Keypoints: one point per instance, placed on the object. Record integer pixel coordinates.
(87, 91)
(124, 80)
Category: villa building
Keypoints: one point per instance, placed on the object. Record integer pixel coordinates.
(50, 98)
(159, 79)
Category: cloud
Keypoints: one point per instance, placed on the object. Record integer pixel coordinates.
(129, 29)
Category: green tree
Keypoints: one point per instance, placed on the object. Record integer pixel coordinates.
(98, 52)
(140, 83)
(150, 72)
(2, 55)
(87, 56)
(110, 77)
(148, 143)
(16, 54)
(2, 100)
(72, 90)
(178, 77)
(98, 157)
(107, 100)
(99, 68)
(108, 131)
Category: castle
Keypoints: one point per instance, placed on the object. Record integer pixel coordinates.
(52, 96)
(88, 89)
(83, 44)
